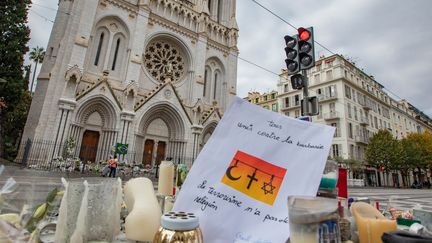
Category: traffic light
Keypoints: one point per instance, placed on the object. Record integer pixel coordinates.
(291, 51)
(298, 81)
(306, 50)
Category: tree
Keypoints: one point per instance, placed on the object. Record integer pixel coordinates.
(384, 152)
(14, 35)
(37, 55)
(26, 81)
(418, 150)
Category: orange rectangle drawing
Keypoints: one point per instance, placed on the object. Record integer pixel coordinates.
(254, 177)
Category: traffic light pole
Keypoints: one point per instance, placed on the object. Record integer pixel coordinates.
(305, 94)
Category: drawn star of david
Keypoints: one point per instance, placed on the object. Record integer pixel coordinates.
(268, 188)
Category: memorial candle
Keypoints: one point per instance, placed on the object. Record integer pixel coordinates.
(166, 178)
(144, 215)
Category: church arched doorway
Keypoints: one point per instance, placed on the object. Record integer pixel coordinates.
(161, 135)
(94, 129)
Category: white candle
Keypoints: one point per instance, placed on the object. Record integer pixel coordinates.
(143, 219)
(166, 178)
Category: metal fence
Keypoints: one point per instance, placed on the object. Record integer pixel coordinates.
(47, 155)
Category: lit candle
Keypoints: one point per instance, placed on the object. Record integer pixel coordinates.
(166, 178)
(143, 220)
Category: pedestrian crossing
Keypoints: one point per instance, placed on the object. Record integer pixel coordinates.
(401, 199)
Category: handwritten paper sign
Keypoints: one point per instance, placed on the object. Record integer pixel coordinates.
(255, 159)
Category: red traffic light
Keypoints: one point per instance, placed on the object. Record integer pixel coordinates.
(304, 34)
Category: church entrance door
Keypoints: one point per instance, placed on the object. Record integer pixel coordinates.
(89, 146)
(160, 152)
(148, 152)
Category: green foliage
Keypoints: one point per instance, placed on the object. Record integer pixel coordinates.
(418, 150)
(384, 151)
(26, 81)
(14, 35)
(14, 123)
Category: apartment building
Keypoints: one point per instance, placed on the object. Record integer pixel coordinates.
(356, 104)
(266, 100)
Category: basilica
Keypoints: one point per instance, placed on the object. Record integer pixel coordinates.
(156, 75)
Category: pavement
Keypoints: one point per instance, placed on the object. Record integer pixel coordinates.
(34, 186)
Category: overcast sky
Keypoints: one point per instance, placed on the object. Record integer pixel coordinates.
(389, 39)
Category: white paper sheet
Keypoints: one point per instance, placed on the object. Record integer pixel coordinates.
(240, 182)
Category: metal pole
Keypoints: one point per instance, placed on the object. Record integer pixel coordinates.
(305, 93)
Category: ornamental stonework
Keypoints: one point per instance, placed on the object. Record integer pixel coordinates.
(162, 58)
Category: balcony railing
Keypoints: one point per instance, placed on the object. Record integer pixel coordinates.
(362, 139)
(364, 120)
(327, 97)
(331, 115)
(366, 104)
(292, 106)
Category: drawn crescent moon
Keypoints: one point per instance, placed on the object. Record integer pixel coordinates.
(229, 175)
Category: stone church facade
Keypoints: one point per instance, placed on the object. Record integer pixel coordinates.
(154, 74)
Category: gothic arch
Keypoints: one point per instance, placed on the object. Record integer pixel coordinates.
(100, 105)
(169, 115)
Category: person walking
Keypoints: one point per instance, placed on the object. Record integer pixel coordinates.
(113, 166)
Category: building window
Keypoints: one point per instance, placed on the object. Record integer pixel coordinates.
(287, 102)
(115, 54)
(256, 100)
(215, 85)
(337, 133)
(219, 13)
(205, 82)
(335, 150)
(346, 74)
(266, 107)
(331, 90)
(273, 96)
(329, 75)
(99, 48)
(296, 100)
(317, 78)
(275, 107)
(286, 88)
(350, 130)
(332, 107)
(352, 155)
(159, 54)
(355, 113)
(287, 113)
(265, 97)
(320, 111)
(376, 122)
(347, 92)
(349, 110)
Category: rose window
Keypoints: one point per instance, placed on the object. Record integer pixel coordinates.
(162, 58)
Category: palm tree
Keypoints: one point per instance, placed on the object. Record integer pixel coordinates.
(37, 55)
